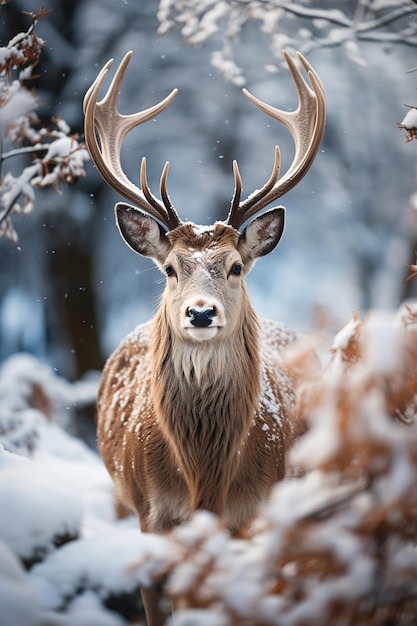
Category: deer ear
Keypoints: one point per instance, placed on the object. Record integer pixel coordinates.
(262, 234)
(141, 232)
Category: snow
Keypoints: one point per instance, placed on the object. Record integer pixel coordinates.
(45, 509)
(344, 336)
(17, 599)
(199, 229)
(106, 564)
(410, 120)
(87, 610)
(55, 490)
(382, 342)
(201, 617)
(19, 102)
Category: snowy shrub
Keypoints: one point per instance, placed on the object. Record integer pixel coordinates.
(30, 394)
(17, 598)
(60, 495)
(335, 545)
(47, 513)
(103, 564)
(56, 156)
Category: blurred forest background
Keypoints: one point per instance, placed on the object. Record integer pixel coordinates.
(70, 289)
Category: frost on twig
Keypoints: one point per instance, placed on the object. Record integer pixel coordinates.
(55, 155)
(409, 124)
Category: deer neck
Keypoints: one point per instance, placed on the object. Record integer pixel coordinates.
(205, 394)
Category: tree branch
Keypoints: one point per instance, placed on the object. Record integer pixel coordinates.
(384, 20)
(9, 197)
(26, 150)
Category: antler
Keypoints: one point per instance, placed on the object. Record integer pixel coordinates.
(111, 126)
(306, 124)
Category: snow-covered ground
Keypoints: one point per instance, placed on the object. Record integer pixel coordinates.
(57, 513)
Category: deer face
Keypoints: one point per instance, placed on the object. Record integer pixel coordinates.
(204, 267)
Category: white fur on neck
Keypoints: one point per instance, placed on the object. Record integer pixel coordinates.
(202, 361)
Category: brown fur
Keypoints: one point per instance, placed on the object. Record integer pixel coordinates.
(187, 425)
(173, 446)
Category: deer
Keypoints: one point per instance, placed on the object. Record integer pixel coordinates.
(196, 410)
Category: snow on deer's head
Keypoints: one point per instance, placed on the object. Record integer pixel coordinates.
(204, 267)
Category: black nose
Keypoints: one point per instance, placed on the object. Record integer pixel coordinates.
(201, 317)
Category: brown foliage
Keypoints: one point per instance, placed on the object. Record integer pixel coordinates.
(336, 545)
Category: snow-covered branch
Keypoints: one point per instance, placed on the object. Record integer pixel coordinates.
(63, 157)
(363, 20)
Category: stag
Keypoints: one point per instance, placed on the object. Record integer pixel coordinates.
(195, 409)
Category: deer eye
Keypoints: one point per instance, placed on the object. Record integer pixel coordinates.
(236, 269)
(169, 270)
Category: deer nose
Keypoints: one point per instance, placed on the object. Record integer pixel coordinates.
(201, 317)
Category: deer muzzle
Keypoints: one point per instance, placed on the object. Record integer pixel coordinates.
(202, 320)
(201, 317)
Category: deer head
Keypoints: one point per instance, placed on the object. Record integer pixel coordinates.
(204, 266)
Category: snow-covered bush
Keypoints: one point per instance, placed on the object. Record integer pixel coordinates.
(48, 513)
(56, 155)
(335, 545)
(17, 598)
(54, 491)
(32, 394)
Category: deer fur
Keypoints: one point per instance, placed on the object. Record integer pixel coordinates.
(185, 424)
